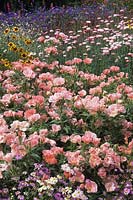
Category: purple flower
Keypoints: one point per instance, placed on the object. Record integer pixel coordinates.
(57, 196)
(126, 191)
(20, 197)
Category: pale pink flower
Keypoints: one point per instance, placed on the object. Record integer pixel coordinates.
(94, 160)
(87, 61)
(43, 132)
(51, 50)
(111, 185)
(96, 90)
(9, 113)
(32, 140)
(88, 137)
(75, 138)
(41, 39)
(82, 93)
(33, 118)
(76, 61)
(74, 158)
(56, 128)
(29, 73)
(8, 157)
(36, 101)
(130, 96)
(17, 125)
(102, 172)
(90, 186)
(115, 109)
(28, 113)
(57, 150)
(114, 69)
(64, 138)
(58, 81)
(6, 99)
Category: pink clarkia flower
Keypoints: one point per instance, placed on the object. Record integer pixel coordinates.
(56, 128)
(87, 61)
(114, 69)
(102, 172)
(28, 113)
(75, 138)
(91, 186)
(64, 138)
(76, 61)
(58, 81)
(49, 157)
(115, 109)
(29, 73)
(41, 39)
(74, 158)
(111, 185)
(51, 50)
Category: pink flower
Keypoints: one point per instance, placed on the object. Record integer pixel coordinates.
(57, 150)
(75, 138)
(64, 138)
(115, 109)
(33, 118)
(74, 158)
(51, 50)
(82, 93)
(102, 172)
(90, 186)
(41, 39)
(111, 185)
(56, 128)
(32, 140)
(29, 73)
(49, 157)
(76, 61)
(87, 61)
(114, 69)
(58, 81)
(88, 137)
(28, 113)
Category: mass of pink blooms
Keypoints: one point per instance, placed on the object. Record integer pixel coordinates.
(81, 120)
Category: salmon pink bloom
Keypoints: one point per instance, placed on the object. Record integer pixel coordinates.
(111, 185)
(64, 138)
(29, 73)
(28, 113)
(75, 138)
(56, 128)
(115, 109)
(87, 61)
(58, 81)
(51, 50)
(41, 39)
(49, 157)
(90, 186)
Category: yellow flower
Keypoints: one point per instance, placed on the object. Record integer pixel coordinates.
(14, 37)
(11, 44)
(21, 50)
(14, 48)
(30, 57)
(23, 55)
(130, 24)
(6, 64)
(27, 41)
(6, 31)
(15, 29)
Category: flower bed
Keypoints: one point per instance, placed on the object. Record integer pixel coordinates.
(66, 117)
